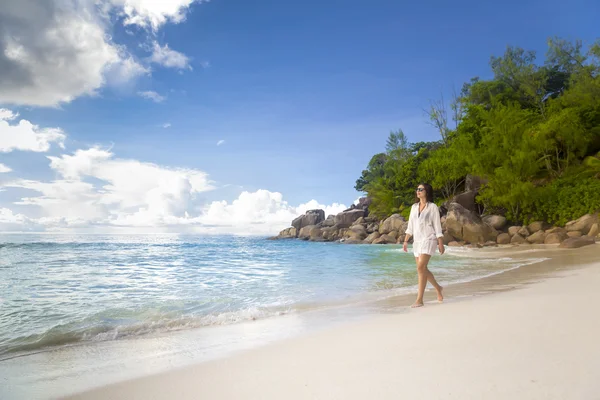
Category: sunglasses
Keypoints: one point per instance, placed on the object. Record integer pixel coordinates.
(420, 189)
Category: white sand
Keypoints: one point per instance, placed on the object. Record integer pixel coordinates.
(538, 342)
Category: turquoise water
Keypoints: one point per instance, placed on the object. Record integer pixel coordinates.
(58, 290)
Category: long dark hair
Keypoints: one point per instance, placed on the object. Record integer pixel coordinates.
(428, 192)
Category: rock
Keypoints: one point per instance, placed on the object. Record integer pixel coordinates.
(583, 224)
(288, 233)
(556, 230)
(466, 225)
(513, 230)
(503, 238)
(555, 237)
(594, 230)
(384, 239)
(330, 221)
(396, 222)
(304, 233)
(536, 226)
(466, 199)
(311, 217)
(346, 218)
(330, 233)
(400, 239)
(359, 221)
(575, 243)
(517, 239)
(373, 227)
(358, 232)
(448, 238)
(523, 231)
(371, 238)
(537, 238)
(454, 243)
(495, 221)
(315, 234)
(574, 234)
(490, 243)
(394, 234)
(363, 204)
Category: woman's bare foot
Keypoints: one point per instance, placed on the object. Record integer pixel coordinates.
(417, 304)
(440, 294)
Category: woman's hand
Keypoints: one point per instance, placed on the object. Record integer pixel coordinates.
(405, 247)
(441, 247)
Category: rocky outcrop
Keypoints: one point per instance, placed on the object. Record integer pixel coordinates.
(460, 227)
(330, 221)
(575, 243)
(513, 230)
(358, 232)
(385, 239)
(518, 239)
(503, 238)
(523, 231)
(311, 232)
(311, 217)
(537, 238)
(372, 237)
(583, 224)
(495, 221)
(536, 226)
(594, 230)
(466, 199)
(468, 226)
(395, 223)
(555, 237)
(347, 218)
(289, 233)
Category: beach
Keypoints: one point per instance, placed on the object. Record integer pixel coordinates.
(532, 336)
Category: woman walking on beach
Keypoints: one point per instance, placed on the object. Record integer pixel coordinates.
(426, 228)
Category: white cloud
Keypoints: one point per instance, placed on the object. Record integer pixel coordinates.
(25, 136)
(153, 13)
(167, 125)
(169, 58)
(53, 51)
(151, 95)
(4, 168)
(261, 212)
(220, 142)
(205, 64)
(94, 190)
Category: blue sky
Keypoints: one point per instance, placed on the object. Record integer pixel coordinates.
(302, 94)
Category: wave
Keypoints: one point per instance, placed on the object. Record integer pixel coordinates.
(88, 331)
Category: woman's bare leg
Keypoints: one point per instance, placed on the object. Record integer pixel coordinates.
(426, 275)
(438, 288)
(422, 261)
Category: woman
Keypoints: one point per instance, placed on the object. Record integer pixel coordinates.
(425, 226)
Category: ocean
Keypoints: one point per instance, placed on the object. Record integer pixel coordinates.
(77, 294)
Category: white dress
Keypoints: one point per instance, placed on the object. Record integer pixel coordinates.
(425, 228)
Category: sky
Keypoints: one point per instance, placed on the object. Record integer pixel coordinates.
(229, 116)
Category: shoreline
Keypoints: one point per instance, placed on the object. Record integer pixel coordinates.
(503, 284)
(366, 299)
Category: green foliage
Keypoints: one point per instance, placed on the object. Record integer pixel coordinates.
(531, 131)
(563, 200)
